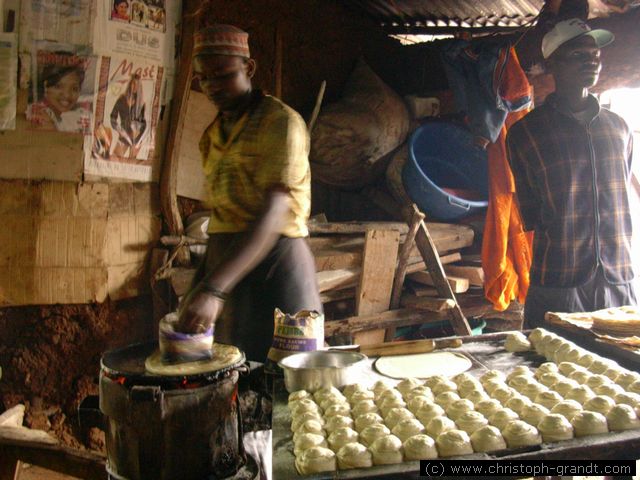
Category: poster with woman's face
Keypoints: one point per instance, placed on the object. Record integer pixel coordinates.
(63, 80)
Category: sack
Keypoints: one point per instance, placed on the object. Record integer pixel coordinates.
(300, 332)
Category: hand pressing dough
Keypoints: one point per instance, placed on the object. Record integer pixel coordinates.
(366, 420)
(427, 412)
(548, 399)
(458, 408)
(567, 408)
(307, 441)
(563, 387)
(396, 415)
(471, 421)
(300, 419)
(446, 398)
(517, 342)
(534, 413)
(354, 455)
(316, 460)
(340, 437)
(453, 443)
(336, 422)
(600, 403)
(519, 433)
(361, 395)
(362, 407)
(488, 407)
(555, 428)
(518, 403)
(503, 417)
(419, 447)
(587, 423)
(408, 384)
(580, 394)
(386, 450)
(299, 395)
(408, 428)
(622, 417)
(437, 425)
(487, 439)
(373, 432)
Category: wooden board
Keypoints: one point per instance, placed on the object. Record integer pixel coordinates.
(475, 275)
(426, 303)
(355, 227)
(376, 282)
(458, 285)
(335, 259)
(337, 279)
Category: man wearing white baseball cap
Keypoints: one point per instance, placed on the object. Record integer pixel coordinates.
(571, 161)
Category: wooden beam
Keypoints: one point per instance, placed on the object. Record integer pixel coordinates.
(335, 259)
(337, 279)
(390, 318)
(457, 284)
(403, 258)
(376, 282)
(427, 303)
(337, 295)
(356, 227)
(475, 275)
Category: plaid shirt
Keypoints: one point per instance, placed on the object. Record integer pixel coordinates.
(571, 182)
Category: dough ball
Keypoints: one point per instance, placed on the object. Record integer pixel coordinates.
(555, 428)
(519, 370)
(516, 342)
(308, 440)
(437, 425)
(520, 434)
(536, 335)
(310, 426)
(580, 376)
(609, 389)
(416, 403)
(503, 394)
(299, 395)
(627, 378)
(585, 360)
(463, 377)
(628, 398)
(622, 417)
(421, 391)
(362, 407)
(471, 421)
(612, 373)
(600, 403)
(488, 407)
(487, 439)
(366, 420)
(503, 417)
(587, 423)
(548, 399)
(408, 384)
(336, 422)
(427, 412)
(433, 380)
(323, 393)
(597, 380)
(349, 390)
(442, 387)
(303, 406)
(520, 381)
(532, 390)
(533, 413)
(552, 347)
(316, 460)
(546, 367)
(601, 365)
(354, 455)
(380, 386)
(459, 407)
(300, 419)
(580, 394)
(561, 353)
(337, 409)
(408, 428)
(391, 403)
(634, 387)
(396, 415)
(330, 401)
(386, 450)
(564, 386)
(492, 384)
(361, 395)
(573, 355)
(517, 403)
(419, 447)
(453, 443)
(477, 396)
(567, 408)
(373, 432)
(467, 386)
(341, 436)
(391, 394)
(567, 368)
(493, 374)
(446, 398)
(549, 379)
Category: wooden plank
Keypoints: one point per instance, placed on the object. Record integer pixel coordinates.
(337, 279)
(448, 237)
(422, 291)
(378, 269)
(342, 242)
(458, 285)
(430, 254)
(475, 275)
(391, 318)
(337, 295)
(335, 259)
(416, 264)
(356, 227)
(403, 259)
(426, 303)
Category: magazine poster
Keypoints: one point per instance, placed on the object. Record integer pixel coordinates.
(143, 29)
(122, 143)
(8, 80)
(62, 88)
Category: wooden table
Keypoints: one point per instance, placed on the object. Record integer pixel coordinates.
(486, 353)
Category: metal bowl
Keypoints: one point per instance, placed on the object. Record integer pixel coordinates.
(320, 369)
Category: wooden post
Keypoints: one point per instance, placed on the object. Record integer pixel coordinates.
(376, 282)
(169, 174)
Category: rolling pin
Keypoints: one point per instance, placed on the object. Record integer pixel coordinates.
(408, 347)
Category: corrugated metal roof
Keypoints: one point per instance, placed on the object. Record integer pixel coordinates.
(416, 16)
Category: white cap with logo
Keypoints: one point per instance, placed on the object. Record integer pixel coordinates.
(567, 30)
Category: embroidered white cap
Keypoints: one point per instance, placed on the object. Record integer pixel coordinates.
(567, 30)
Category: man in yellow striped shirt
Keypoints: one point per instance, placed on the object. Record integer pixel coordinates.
(255, 158)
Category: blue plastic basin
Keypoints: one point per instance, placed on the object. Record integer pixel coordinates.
(442, 155)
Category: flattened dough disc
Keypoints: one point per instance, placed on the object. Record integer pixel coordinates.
(423, 365)
(223, 356)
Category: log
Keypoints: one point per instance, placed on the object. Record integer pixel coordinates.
(426, 303)
(458, 285)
